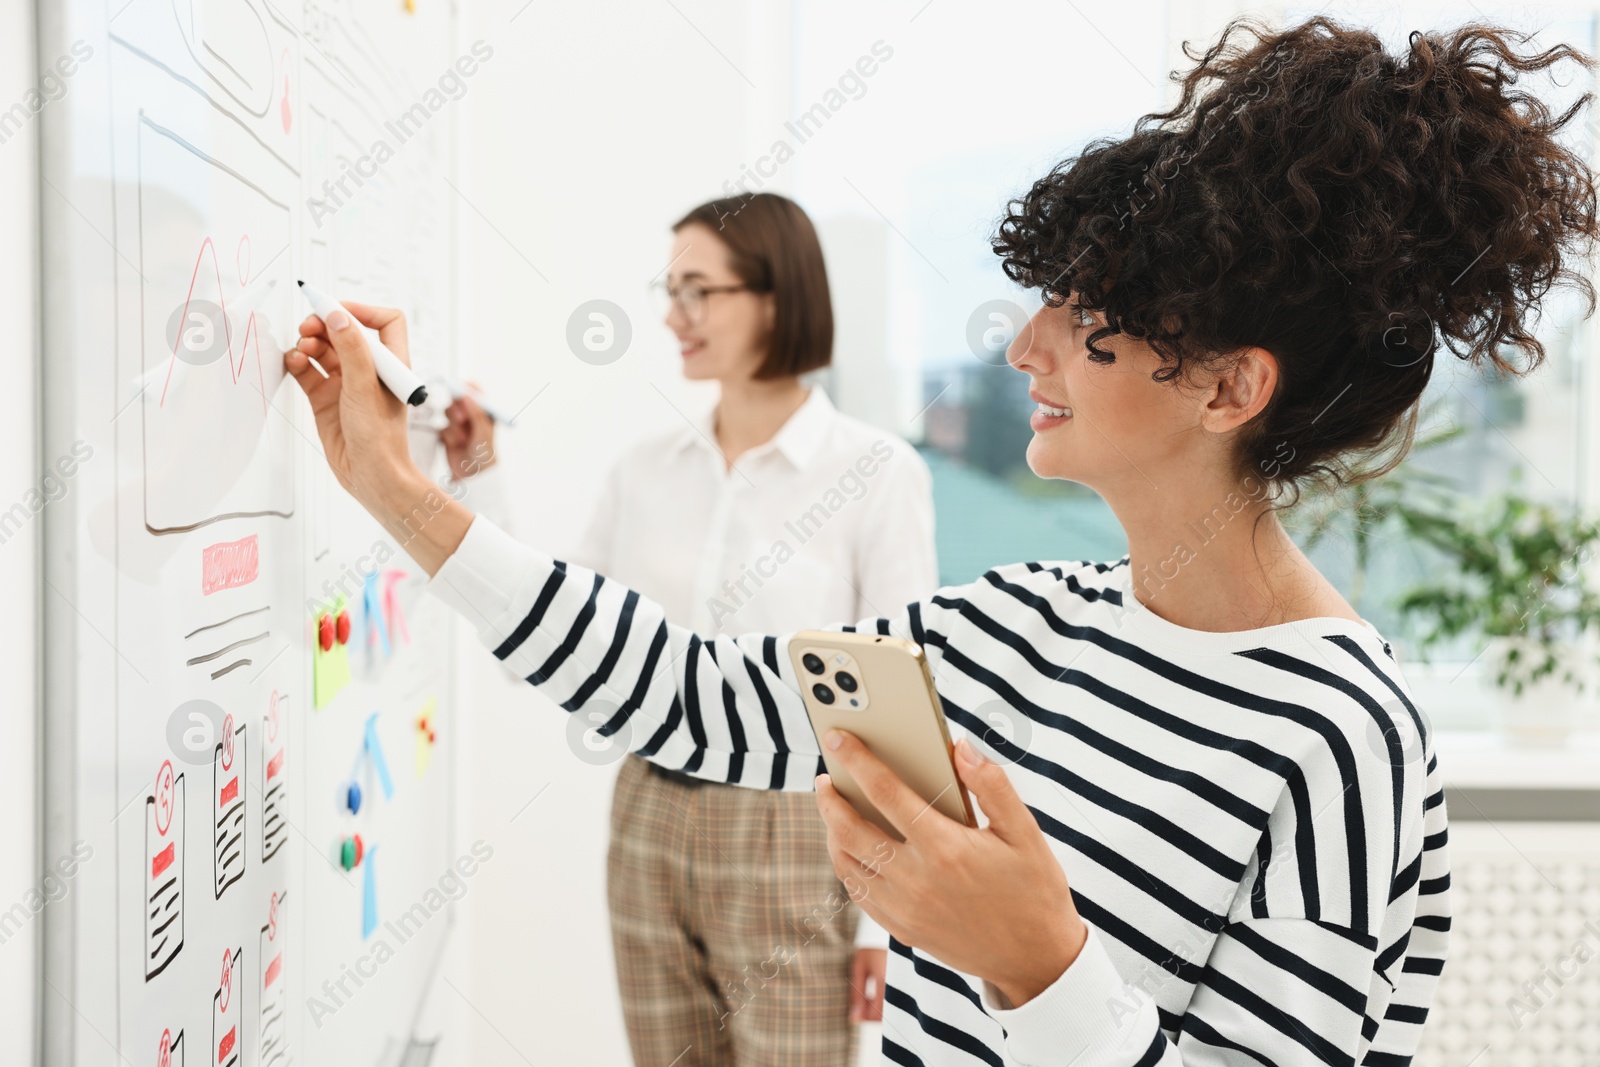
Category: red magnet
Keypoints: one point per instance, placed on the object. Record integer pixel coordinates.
(344, 627)
(325, 632)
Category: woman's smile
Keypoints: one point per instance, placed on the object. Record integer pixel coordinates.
(1048, 415)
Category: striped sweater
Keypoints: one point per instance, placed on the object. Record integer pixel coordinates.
(1252, 823)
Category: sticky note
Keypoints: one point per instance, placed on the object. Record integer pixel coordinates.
(391, 606)
(425, 735)
(369, 894)
(375, 753)
(331, 669)
(372, 613)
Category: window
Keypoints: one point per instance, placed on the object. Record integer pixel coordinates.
(971, 106)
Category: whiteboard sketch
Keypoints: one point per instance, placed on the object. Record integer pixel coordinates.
(163, 857)
(213, 126)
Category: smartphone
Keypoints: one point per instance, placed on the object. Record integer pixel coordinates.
(880, 689)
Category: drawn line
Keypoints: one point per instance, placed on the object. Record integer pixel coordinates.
(232, 666)
(153, 61)
(163, 131)
(227, 326)
(219, 653)
(218, 518)
(224, 622)
(236, 72)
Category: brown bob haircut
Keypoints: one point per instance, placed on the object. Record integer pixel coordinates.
(773, 248)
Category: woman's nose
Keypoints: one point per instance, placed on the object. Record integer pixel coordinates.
(1021, 353)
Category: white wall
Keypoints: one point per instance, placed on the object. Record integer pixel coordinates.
(593, 128)
(19, 812)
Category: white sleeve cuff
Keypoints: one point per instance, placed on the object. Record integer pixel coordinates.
(1088, 1017)
(491, 578)
(869, 934)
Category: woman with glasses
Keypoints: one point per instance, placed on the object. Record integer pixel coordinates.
(1221, 838)
(772, 511)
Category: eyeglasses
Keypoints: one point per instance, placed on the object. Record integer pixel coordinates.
(691, 296)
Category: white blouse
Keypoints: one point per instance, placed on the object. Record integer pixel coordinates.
(830, 519)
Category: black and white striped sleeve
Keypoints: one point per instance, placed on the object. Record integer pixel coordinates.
(726, 709)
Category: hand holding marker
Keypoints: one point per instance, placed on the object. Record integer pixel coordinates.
(400, 379)
(459, 389)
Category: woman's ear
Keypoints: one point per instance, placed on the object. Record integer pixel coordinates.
(1240, 390)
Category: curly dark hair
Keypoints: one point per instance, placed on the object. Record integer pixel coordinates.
(1341, 207)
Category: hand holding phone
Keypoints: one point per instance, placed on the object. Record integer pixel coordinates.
(880, 689)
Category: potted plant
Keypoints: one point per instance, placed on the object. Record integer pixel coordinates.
(1519, 579)
(1358, 511)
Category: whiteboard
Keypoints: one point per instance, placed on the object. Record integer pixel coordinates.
(195, 162)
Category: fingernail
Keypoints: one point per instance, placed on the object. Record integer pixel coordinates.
(969, 755)
(338, 319)
(833, 739)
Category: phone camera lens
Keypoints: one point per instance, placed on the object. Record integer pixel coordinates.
(845, 681)
(822, 693)
(813, 663)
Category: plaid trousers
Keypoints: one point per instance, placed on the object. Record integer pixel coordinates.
(733, 936)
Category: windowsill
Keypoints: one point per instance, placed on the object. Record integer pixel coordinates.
(1469, 715)
(1486, 759)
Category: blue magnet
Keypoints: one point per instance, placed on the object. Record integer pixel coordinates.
(352, 798)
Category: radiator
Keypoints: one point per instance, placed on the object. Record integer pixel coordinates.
(1521, 986)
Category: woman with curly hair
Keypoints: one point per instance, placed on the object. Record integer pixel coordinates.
(1221, 836)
